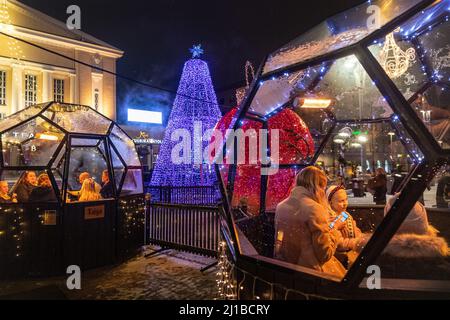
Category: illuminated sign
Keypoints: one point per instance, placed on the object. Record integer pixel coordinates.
(144, 138)
(97, 212)
(144, 116)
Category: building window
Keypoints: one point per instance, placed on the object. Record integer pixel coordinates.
(3, 115)
(30, 90)
(58, 90)
(2, 88)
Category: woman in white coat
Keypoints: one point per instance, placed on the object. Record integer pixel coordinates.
(302, 226)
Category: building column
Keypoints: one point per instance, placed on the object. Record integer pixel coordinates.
(46, 86)
(17, 97)
(73, 89)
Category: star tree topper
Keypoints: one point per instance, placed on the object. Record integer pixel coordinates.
(196, 51)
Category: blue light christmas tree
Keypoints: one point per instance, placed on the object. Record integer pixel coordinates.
(195, 101)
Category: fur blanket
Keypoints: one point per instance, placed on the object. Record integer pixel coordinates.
(415, 246)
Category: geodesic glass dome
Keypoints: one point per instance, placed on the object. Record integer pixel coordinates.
(369, 98)
(65, 140)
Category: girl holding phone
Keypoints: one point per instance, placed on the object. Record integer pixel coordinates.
(341, 220)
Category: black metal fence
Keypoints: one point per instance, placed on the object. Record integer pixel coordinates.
(188, 228)
(204, 196)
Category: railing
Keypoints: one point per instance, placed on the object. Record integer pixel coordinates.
(188, 228)
(205, 196)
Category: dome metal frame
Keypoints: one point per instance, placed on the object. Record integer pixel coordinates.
(67, 143)
(421, 174)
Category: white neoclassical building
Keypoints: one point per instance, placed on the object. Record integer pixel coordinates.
(30, 75)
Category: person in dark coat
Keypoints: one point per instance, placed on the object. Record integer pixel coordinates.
(107, 188)
(26, 186)
(443, 192)
(379, 186)
(399, 176)
(44, 191)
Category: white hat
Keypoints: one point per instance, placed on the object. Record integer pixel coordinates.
(417, 220)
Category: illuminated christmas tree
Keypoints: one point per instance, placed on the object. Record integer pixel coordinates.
(195, 102)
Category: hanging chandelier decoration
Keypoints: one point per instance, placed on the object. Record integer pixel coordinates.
(249, 76)
(394, 60)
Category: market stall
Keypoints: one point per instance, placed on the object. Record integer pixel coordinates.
(71, 191)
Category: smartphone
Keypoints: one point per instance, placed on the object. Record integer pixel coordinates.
(343, 217)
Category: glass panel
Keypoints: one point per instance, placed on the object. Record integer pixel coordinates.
(419, 249)
(85, 174)
(247, 188)
(58, 167)
(342, 86)
(279, 187)
(273, 93)
(125, 147)
(133, 183)
(340, 31)
(119, 168)
(355, 151)
(295, 141)
(422, 19)
(78, 119)
(433, 108)
(410, 75)
(352, 92)
(318, 121)
(21, 116)
(437, 50)
(78, 142)
(31, 144)
(408, 53)
(411, 147)
(26, 186)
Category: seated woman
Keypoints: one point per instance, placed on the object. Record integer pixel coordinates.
(415, 251)
(415, 237)
(26, 186)
(302, 232)
(351, 234)
(44, 191)
(89, 191)
(4, 193)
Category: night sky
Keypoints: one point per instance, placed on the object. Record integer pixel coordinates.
(156, 36)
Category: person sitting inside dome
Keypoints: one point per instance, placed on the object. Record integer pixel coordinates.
(351, 234)
(415, 237)
(5, 197)
(302, 229)
(26, 186)
(44, 191)
(415, 251)
(89, 191)
(107, 187)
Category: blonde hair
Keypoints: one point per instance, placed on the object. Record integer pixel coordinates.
(315, 181)
(4, 183)
(44, 180)
(87, 192)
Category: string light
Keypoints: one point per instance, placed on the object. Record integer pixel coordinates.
(230, 289)
(6, 26)
(393, 59)
(184, 112)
